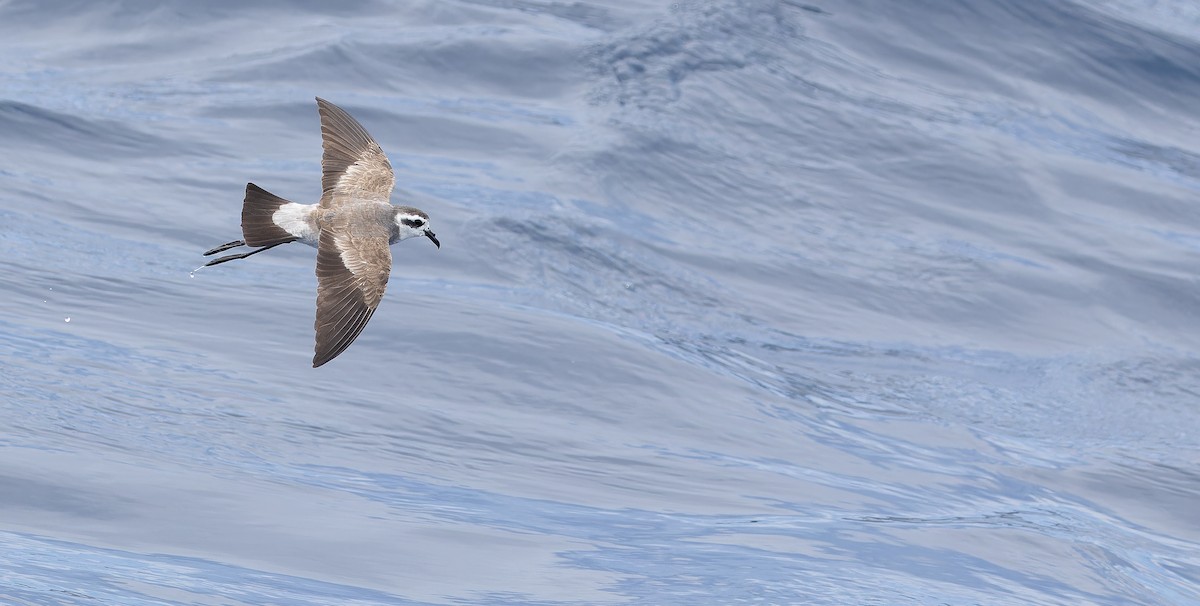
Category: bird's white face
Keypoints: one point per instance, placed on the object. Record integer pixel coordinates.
(414, 223)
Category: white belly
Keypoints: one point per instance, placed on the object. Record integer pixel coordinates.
(297, 220)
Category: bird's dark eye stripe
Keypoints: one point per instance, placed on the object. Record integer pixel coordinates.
(413, 222)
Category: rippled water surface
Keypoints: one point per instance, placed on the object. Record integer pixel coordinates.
(768, 302)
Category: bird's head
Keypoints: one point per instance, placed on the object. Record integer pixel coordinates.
(411, 222)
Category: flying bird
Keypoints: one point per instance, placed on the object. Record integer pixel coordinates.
(352, 227)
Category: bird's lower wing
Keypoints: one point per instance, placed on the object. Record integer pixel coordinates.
(352, 273)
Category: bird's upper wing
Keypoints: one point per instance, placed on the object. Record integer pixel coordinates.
(353, 166)
(353, 264)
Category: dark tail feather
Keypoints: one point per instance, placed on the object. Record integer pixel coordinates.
(258, 228)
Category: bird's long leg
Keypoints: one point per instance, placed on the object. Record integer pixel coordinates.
(220, 260)
(225, 246)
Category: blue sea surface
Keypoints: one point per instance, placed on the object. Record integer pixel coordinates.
(738, 302)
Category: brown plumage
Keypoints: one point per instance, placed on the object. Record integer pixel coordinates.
(353, 166)
(353, 226)
(354, 261)
(353, 255)
(258, 211)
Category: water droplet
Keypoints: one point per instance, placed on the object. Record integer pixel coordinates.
(68, 319)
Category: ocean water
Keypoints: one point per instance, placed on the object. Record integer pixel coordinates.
(753, 302)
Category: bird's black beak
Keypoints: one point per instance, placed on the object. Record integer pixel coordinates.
(429, 234)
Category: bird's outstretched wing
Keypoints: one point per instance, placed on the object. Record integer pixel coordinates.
(353, 265)
(353, 166)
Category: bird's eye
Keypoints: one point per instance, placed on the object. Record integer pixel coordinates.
(413, 222)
